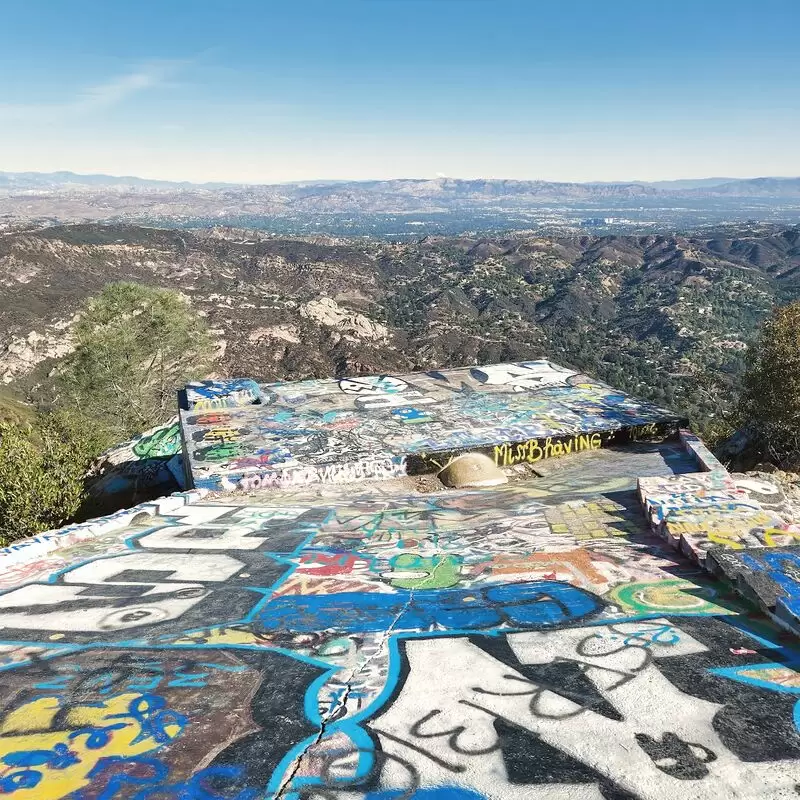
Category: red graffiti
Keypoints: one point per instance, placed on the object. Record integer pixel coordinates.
(332, 563)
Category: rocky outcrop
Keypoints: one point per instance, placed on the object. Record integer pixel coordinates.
(329, 313)
(22, 353)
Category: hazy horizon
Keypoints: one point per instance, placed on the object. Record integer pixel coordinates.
(158, 178)
(313, 91)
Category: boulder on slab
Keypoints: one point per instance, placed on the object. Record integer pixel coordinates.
(472, 469)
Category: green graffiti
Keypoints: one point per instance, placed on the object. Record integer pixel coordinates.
(673, 596)
(412, 571)
(163, 442)
(220, 452)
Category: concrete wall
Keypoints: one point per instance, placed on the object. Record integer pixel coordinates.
(372, 427)
(149, 466)
(486, 644)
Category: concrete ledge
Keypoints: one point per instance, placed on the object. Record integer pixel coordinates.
(49, 541)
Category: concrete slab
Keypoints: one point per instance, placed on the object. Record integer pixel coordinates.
(697, 512)
(768, 575)
(316, 643)
(311, 634)
(381, 426)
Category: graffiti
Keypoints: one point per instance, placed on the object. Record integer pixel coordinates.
(682, 493)
(36, 755)
(543, 639)
(729, 525)
(506, 455)
(411, 415)
(148, 587)
(164, 442)
(534, 604)
(102, 723)
(379, 384)
(769, 576)
(521, 641)
(675, 596)
(206, 395)
(536, 409)
(577, 567)
(596, 519)
(330, 473)
(702, 511)
(413, 571)
(524, 376)
(220, 435)
(146, 467)
(382, 391)
(544, 699)
(223, 452)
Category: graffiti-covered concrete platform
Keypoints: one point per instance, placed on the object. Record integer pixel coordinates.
(616, 626)
(538, 640)
(240, 434)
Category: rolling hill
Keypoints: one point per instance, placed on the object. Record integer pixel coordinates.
(666, 317)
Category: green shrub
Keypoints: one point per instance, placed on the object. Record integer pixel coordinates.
(42, 468)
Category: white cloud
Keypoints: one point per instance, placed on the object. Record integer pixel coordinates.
(112, 92)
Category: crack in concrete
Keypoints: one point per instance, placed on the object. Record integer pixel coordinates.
(341, 701)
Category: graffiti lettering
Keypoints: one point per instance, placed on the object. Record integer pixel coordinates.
(328, 473)
(164, 442)
(533, 450)
(526, 605)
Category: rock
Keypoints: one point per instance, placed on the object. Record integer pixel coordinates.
(23, 353)
(472, 469)
(329, 313)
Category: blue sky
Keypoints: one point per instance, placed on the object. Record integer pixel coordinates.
(268, 91)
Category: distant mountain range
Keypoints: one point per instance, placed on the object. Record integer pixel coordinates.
(402, 208)
(55, 180)
(454, 188)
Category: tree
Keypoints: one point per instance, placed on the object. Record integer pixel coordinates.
(770, 401)
(42, 467)
(136, 345)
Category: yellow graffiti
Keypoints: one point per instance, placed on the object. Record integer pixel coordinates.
(533, 450)
(726, 538)
(220, 435)
(691, 520)
(41, 759)
(670, 596)
(213, 403)
(776, 537)
(220, 636)
(780, 676)
(647, 431)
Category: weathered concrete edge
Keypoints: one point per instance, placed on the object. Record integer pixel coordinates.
(705, 458)
(709, 465)
(36, 546)
(779, 612)
(505, 452)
